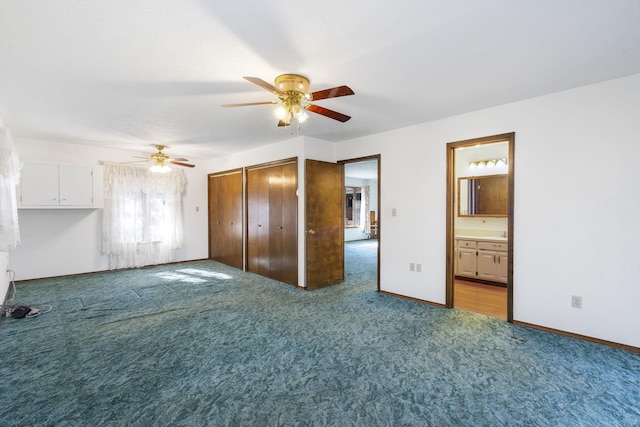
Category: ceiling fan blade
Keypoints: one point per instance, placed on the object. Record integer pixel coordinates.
(281, 123)
(173, 162)
(178, 159)
(244, 104)
(333, 92)
(328, 113)
(264, 85)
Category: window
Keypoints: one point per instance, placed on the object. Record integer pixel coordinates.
(142, 222)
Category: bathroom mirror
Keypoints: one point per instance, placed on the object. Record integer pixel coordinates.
(483, 196)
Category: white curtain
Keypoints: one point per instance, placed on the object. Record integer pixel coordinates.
(142, 223)
(365, 223)
(10, 166)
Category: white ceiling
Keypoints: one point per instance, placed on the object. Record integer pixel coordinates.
(126, 74)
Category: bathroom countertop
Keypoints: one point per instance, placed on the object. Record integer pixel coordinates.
(491, 238)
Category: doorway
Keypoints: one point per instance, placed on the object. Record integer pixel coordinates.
(480, 225)
(362, 226)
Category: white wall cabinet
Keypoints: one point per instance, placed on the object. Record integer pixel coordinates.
(482, 259)
(60, 186)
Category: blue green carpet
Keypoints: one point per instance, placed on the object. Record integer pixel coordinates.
(203, 344)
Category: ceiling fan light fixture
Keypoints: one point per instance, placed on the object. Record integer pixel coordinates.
(292, 82)
(295, 99)
(301, 115)
(159, 168)
(281, 112)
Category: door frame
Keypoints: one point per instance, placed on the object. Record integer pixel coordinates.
(451, 196)
(377, 157)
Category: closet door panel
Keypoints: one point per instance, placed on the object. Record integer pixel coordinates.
(275, 222)
(225, 218)
(290, 224)
(258, 215)
(252, 221)
(214, 219)
(263, 218)
(272, 246)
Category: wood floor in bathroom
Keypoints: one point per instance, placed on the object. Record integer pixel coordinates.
(480, 298)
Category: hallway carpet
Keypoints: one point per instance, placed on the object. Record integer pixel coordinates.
(203, 344)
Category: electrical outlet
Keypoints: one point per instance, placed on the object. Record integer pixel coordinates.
(412, 267)
(576, 301)
(393, 211)
(419, 268)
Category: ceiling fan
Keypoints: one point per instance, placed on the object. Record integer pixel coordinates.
(295, 99)
(160, 160)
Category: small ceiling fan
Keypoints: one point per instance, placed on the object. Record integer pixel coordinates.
(160, 160)
(295, 99)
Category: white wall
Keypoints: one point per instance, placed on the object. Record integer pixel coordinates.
(62, 242)
(575, 221)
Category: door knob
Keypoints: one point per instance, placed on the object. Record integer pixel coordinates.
(310, 232)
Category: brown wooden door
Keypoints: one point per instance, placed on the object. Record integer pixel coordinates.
(324, 226)
(272, 210)
(225, 218)
(289, 223)
(258, 221)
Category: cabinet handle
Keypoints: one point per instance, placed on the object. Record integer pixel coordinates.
(494, 259)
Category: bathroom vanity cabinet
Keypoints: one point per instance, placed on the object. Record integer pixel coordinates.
(484, 259)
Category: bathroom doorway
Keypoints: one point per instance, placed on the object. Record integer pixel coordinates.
(480, 196)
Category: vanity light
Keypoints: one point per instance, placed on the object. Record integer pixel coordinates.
(481, 164)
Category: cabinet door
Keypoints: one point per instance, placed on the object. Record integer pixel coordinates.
(466, 262)
(487, 265)
(76, 185)
(502, 267)
(39, 185)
